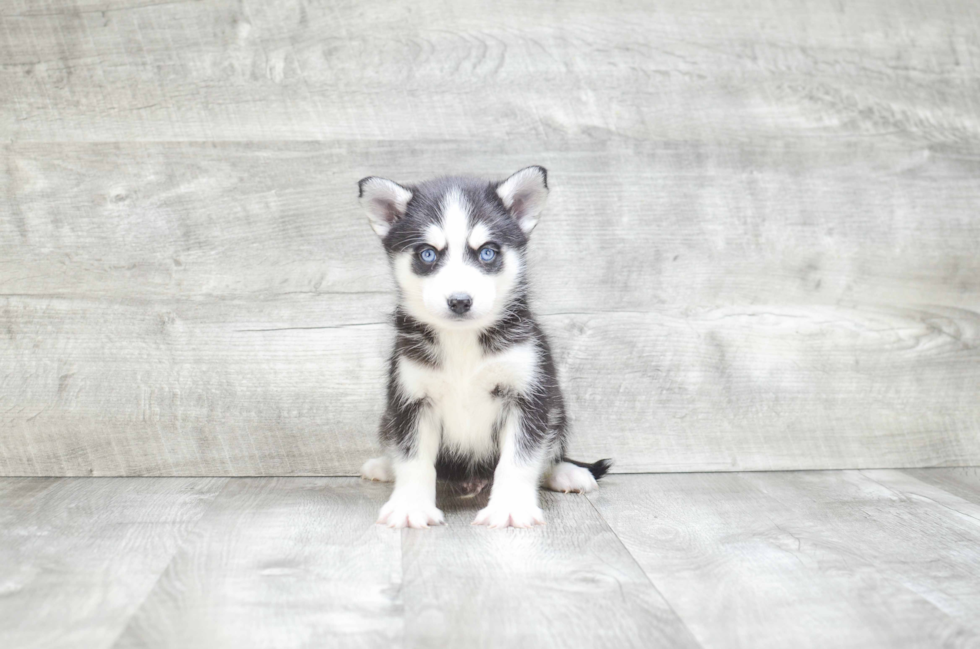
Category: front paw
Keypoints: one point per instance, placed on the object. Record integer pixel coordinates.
(510, 512)
(402, 511)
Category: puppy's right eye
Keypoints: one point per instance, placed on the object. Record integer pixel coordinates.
(427, 255)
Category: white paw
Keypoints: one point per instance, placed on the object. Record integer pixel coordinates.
(566, 477)
(403, 511)
(510, 512)
(378, 468)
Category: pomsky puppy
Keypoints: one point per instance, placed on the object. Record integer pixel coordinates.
(473, 395)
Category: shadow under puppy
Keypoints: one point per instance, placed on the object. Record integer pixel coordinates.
(472, 391)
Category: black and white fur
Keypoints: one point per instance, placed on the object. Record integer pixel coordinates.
(473, 395)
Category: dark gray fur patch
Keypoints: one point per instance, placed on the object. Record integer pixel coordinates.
(414, 340)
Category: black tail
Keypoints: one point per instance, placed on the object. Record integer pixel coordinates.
(597, 469)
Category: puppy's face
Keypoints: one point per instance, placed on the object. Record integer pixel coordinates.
(456, 244)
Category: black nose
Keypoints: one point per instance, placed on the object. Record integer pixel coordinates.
(460, 303)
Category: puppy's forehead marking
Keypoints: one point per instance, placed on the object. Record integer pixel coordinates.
(479, 235)
(455, 218)
(435, 237)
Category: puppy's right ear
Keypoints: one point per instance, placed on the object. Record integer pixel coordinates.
(384, 201)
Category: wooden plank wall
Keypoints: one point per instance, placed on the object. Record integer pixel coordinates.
(762, 249)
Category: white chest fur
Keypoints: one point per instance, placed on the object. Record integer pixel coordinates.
(460, 388)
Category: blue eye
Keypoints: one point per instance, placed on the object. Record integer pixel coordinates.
(428, 255)
(487, 254)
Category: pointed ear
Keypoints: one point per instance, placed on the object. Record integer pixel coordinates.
(524, 195)
(384, 201)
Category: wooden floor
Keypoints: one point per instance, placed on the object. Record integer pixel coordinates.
(874, 558)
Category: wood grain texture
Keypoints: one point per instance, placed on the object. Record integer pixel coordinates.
(77, 558)
(630, 226)
(963, 482)
(710, 70)
(874, 558)
(760, 250)
(208, 310)
(300, 562)
(186, 388)
(567, 584)
(843, 559)
(284, 563)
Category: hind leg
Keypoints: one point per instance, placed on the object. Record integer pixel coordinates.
(566, 477)
(378, 469)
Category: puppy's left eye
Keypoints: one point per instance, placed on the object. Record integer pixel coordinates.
(487, 254)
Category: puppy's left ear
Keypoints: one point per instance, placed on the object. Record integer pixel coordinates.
(524, 195)
(384, 201)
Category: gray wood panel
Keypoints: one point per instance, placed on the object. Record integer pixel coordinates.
(300, 562)
(190, 309)
(77, 557)
(963, 482)
(945, 568)
(842, 559)
(630, 226)
(760, 251)
(567, 584)
(705, 70)
(289, 562)
(183, 387)
(874, 558)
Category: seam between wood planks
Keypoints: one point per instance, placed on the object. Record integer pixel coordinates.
(908, 496)
(179, 546)
(636, 563)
